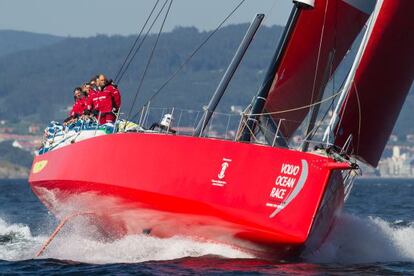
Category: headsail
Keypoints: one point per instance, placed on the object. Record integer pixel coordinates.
(320, 40)
(381, 82)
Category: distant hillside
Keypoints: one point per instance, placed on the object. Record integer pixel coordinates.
(15, 41)
(14, 162)
(37, 84)
(15, 155)
(12, 171)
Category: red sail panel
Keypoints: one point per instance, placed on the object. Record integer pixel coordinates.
(381, 83)
(328, 29)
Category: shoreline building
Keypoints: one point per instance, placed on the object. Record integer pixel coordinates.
(398, 165)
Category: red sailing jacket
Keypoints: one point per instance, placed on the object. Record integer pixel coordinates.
(91, 95)
(104, 101)
(115, 94)
(78, 107)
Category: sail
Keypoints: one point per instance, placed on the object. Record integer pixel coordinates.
(381, 83)
(321, 37)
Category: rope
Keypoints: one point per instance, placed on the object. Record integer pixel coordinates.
(58, 228)
(133, 46)
(317, 126)
(298, 108)
(243, 126)
(151, 55)
(195, 51)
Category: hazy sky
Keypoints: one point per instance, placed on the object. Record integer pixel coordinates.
(90, 17)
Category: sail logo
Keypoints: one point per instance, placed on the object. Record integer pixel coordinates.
(39, 166)
(288, 183)
(222, 173)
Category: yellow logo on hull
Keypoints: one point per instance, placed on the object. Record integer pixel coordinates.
(39, 166)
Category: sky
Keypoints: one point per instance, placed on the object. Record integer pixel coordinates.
(90, 17)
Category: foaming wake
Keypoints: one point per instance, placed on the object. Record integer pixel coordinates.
(17, 242)
(366, 240)
(353, 240)
(135, 249)
(82, 242)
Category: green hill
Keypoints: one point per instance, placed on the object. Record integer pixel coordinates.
(15, 41)
(15, 155)
(36, 84)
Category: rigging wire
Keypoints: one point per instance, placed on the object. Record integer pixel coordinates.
(359, 116)
(330, 107)
(299, 108)
(151, 56)
(320, 123)
(319, 52)
(188, 59)
(145, 37)
(335, 47)
(311, 113)
(331, 65)
(133, 45)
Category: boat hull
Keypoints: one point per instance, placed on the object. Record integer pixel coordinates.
(261, 199)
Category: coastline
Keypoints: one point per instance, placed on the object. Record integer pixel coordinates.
(388, 178)
(13, 171)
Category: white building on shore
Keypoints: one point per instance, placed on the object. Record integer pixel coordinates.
(398, 165)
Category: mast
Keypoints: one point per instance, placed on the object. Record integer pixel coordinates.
(261, 97)
(218, 94)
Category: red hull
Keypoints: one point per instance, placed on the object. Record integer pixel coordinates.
(257, 198)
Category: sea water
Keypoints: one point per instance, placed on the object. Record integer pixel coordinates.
(374, 235)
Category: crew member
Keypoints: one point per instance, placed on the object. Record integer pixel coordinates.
(92, 102)
(78, 107)
(106, 101)
(91, 89)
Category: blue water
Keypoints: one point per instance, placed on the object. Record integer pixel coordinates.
(375, 235)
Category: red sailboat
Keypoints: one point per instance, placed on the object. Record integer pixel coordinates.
(267, 198)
